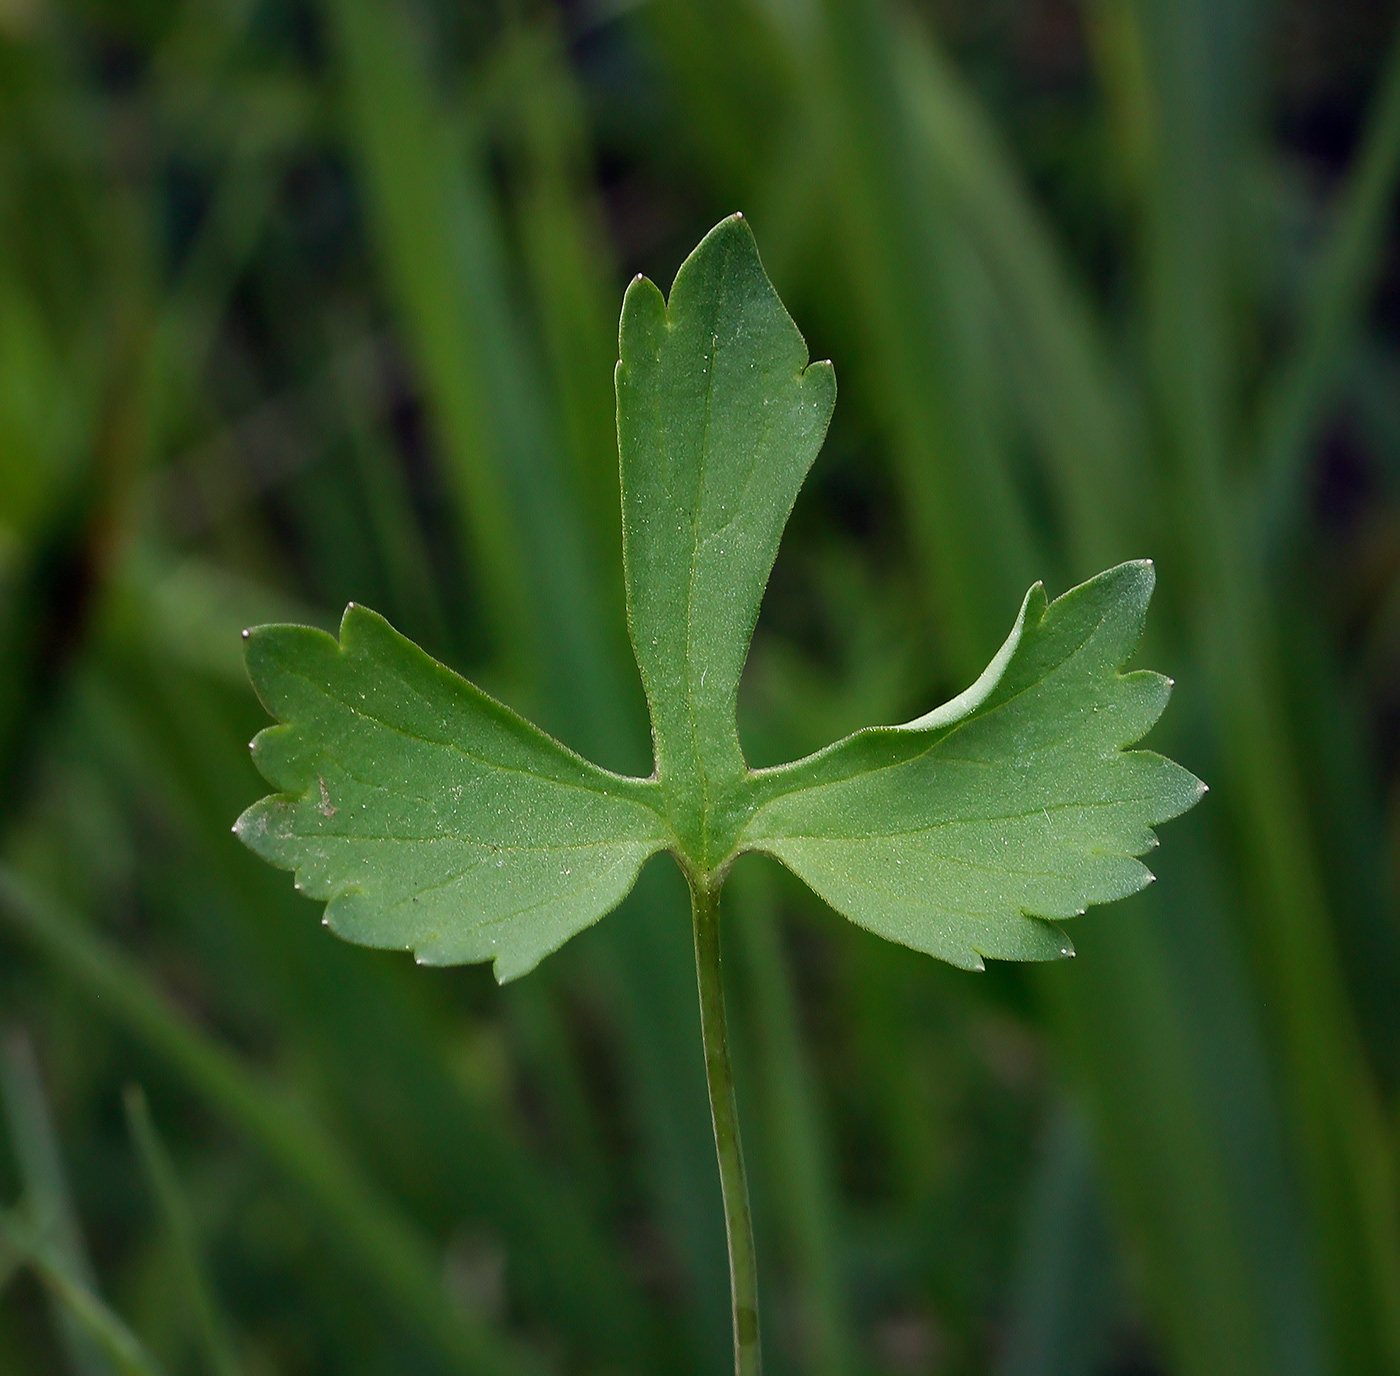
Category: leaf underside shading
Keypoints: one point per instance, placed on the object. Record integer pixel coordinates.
(432, 818)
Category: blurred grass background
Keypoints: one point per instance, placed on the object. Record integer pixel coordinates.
(310, 300)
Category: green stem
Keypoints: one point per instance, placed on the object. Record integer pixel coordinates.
(719, 1075)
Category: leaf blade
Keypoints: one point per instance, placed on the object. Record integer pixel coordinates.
(969, 833)
(720, 416)
(429, 816)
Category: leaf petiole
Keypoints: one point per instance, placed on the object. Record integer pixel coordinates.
(719, 1077)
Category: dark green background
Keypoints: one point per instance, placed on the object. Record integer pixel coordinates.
(310, 300)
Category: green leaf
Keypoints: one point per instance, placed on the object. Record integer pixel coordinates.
(719, 417)
(960, 833)
(433, 818)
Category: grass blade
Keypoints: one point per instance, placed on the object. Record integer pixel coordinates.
(444, 252)
(1345, 1159)
(47, 1197)
(75, 1298)
(1065, 1299)
(1070, 396)
(389, 1253)
(922, 299)
(170, 1199)
(423, 214)
(1348, 263)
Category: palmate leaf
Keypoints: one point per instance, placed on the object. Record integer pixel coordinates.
(432, 818)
